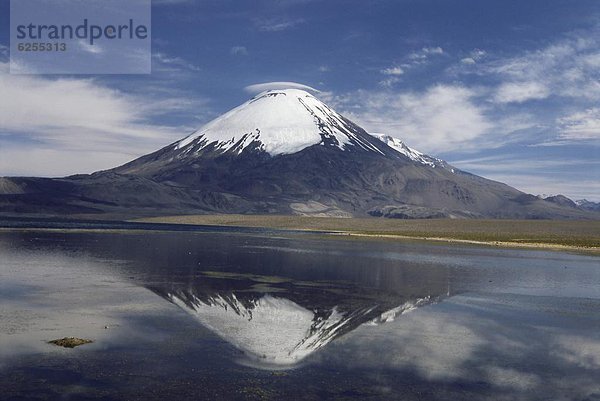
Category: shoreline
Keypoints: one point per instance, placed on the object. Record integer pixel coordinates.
(575, 236)
(529, 233)
(337, 234)
(495, 244)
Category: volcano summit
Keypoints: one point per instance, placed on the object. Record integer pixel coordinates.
(282, 152)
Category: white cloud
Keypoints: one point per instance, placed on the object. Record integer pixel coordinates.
(578, 350)
(393, 71)
(592, 60)
(478, 53)
(474, 57)
(467, 338)
(582, 125)
(77, 120)
(393, 76)
(258, 88)
(519, 92)
(565, 72)
(442, 118)
(17, 67)
(238, 51)
(512, 378)
(425, 53)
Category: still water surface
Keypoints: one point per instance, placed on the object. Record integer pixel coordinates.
(275, 315)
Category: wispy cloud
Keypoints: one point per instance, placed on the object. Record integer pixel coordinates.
(277, 24)
(563, 76)
(418, 58)
(519, 92)
(238, 51)
(583, 125)
(566, 68)
(166, 62)
(86, 47)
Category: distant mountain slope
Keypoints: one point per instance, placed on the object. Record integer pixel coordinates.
(585, 204)
(282, 152)
(561, 200)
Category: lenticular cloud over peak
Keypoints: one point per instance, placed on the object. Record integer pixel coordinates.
(267, 86)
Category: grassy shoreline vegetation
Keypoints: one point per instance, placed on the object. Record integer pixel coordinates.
(553, 234)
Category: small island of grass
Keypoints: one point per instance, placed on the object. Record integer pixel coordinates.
(70, 342)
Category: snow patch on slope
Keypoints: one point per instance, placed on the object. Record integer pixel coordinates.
(401, 147)
(411, 153)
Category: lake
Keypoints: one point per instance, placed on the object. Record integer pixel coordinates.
(209, 313)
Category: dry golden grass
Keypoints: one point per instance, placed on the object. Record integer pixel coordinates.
(584, 234)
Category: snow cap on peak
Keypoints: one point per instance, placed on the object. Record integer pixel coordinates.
(276, 121)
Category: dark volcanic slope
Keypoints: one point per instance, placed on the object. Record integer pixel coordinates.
(281, 152)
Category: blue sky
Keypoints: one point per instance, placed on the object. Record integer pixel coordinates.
(505, 89)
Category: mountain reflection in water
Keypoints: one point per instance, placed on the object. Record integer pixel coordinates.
(277, 322)
(292, 301)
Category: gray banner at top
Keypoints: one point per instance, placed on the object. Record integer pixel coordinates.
(80, 37)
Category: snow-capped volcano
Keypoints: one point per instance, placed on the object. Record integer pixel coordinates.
(287, 121)
(282, 152)
(277, 122)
